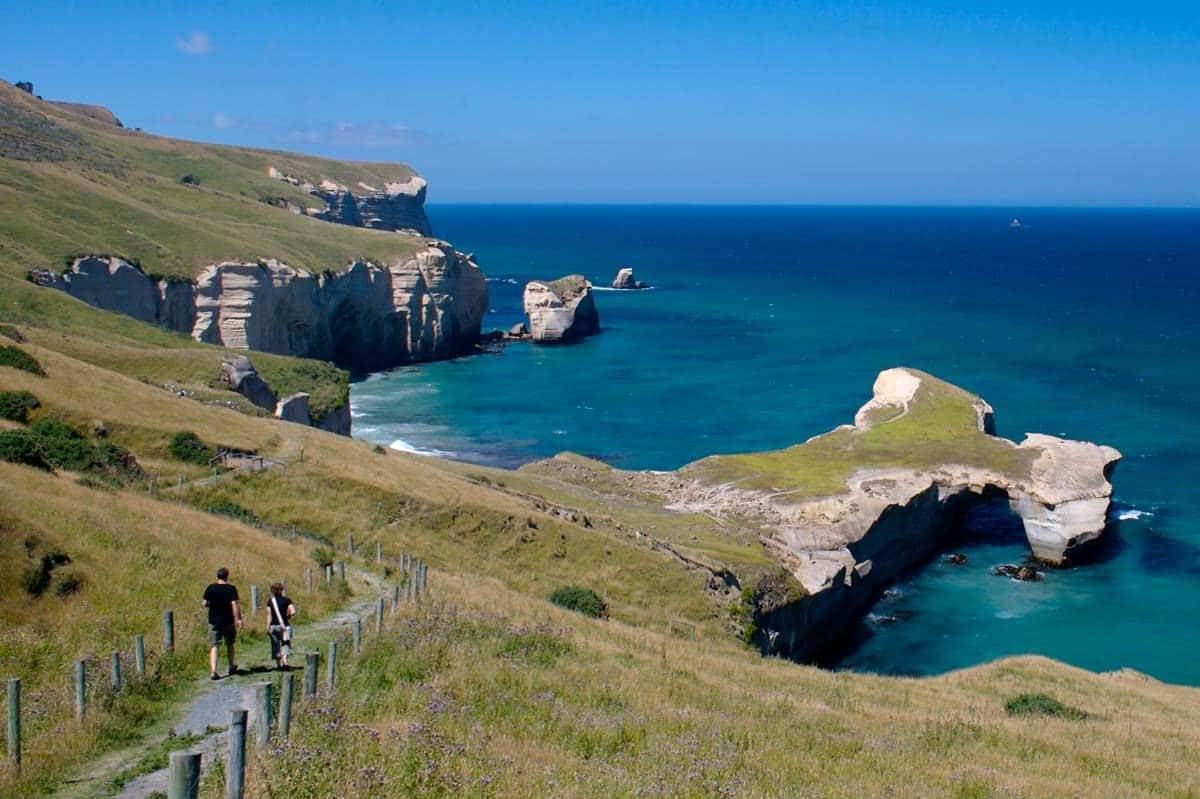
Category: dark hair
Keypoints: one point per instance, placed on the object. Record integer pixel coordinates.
(222, 573)
(276, 588)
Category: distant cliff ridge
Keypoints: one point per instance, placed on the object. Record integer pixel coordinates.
(365, 317)
(398, 205)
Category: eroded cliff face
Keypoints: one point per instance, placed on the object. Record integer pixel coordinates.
(843, 548)
(367, 316)
(398, 205)
(560, 311)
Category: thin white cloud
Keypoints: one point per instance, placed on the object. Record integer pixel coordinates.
(223, 121)
(195, 43)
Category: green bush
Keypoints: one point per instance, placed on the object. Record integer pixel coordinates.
(114, 462)
(1042, 705)
(19, 446)
(8, 331)
(580, 600)
(323, 556)
(18, 358)
(187, 446)
(16, 405)
(63, 446)
(233, 510)
(36, 577)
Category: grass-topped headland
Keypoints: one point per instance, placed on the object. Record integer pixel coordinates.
(70, 183)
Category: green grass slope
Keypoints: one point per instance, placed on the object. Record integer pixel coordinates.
(72, 183)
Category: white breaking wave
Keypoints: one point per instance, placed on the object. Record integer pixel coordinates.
(1129, 514)
(403, 446)
(631, 291)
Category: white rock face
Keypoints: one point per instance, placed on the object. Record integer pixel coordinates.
(1066, 502)
(626, 280)
(294, 409)
(424, 307)
(560, 311)
(399, 206)
(844, 548)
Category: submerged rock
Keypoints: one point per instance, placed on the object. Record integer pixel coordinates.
(561, 311)
(1026, 574)
(957, 559)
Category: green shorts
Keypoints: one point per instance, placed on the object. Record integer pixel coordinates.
(221, 632)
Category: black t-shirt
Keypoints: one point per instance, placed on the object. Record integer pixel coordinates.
(220, 598)
(283, 602)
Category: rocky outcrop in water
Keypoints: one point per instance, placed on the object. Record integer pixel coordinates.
(842, 549)
(561, 311)
(365, 317)
(625, 280)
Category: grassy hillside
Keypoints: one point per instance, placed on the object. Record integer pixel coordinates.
(490, 690)
(70, 183)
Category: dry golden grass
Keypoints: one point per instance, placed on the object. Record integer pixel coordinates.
(495, 692)
(483, 708)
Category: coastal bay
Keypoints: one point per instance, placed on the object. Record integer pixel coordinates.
(767, 324)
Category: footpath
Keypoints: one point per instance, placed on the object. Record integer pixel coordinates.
(205, 715)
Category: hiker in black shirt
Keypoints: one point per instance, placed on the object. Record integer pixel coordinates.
(280, 610)
(224, 619)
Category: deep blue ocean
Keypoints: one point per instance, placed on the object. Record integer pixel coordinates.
(767, 325)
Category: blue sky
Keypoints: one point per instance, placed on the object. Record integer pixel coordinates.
(1020, 102)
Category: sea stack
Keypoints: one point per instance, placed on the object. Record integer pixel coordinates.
(561, 311)
(625, 280)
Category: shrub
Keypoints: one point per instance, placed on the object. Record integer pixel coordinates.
(580, 600)
(67, 583)
(36, 577)
(19, 446)
(16, 405)
(190, 180)
(1042, 705)
(8, 331)
(187, 446)
(233, 510)
(115, 462)
(63, 446)
(323, 556)
(18, 358)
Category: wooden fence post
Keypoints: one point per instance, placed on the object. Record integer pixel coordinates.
(185, 775)
(308, 579)
(312, 662)
(357, 634)
(341, 570)
(331, 667)
(262, 697)
(235, 776)
(253, 599)
(169, 632)
(116, 672)
(285, 704)
(80, 689)
(379, 616)
(395, 599)
(378, 552)
(14, 722)
(328, 573)
(350, 544)
(139, 656)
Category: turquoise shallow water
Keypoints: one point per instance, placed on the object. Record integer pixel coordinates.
(768, 325)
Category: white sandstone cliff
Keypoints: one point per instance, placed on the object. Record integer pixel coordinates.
(560, 311)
